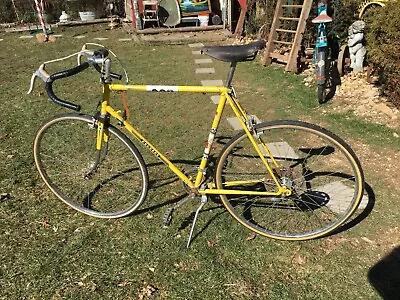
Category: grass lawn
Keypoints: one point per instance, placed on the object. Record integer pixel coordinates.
(49, 251)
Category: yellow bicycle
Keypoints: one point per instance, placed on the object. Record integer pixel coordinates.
(288, 180)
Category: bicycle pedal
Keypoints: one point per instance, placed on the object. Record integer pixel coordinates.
(167, 219)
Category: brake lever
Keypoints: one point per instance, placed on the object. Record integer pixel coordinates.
(41, 73)
(84, 52)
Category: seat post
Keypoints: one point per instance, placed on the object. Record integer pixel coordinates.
(230, 74)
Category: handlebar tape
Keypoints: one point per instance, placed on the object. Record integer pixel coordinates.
(64, 74)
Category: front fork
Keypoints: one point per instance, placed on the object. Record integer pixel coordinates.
(320, 65)
(100, 122)
(320, 54)
(102, 138)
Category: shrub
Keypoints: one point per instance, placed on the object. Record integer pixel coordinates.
(346, 12)
(260, 14)
(7, 13)
(383, 46)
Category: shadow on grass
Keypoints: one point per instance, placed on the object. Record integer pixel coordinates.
(384, 276)
(155, 184)
(209, 222)
(189, 219)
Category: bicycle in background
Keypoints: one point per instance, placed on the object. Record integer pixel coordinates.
(325, 55)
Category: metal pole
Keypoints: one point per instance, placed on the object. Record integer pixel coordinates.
(137, 15)
(40, 17)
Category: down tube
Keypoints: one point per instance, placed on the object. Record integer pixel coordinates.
(151, 147)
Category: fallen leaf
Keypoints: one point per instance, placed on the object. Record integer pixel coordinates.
(124, 283)
(5, 196)
(45, 223)
(367, 240)
(289, 277)
(319, 268)
(251, 236)
(297, 258)
(354, 242)
(210, 244)
(170, 151)
(148, 290)
(152, 269)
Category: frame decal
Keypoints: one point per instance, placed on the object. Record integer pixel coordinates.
(161, 88)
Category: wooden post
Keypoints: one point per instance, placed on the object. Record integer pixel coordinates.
(305, 11)
(266, 60)
(239, 25)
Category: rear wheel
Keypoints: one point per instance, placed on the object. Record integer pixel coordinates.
(110, 183)
(320, 169)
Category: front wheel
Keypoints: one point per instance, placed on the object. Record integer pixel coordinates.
(107, 183)
(322, 172)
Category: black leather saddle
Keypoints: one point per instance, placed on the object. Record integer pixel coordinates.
(236, 53)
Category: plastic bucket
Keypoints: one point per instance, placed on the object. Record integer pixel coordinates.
(87, 15)
(203, 19)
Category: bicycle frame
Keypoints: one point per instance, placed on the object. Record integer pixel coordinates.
(277, 176)
(226, 95)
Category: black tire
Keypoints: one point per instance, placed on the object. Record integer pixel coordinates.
(344, 55)
(327, 90)
(321, 170)
(321, 93)
(67, 160)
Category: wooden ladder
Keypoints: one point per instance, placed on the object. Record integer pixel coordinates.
(285, 24)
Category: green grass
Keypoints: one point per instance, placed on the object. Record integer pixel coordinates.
(48, 251)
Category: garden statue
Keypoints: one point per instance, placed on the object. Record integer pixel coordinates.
(356, 45)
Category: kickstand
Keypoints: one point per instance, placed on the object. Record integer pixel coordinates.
(167, 219)
(202, 203)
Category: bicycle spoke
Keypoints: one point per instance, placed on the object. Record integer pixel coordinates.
(110, 185)
(312, 164)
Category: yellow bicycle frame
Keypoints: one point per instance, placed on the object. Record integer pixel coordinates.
(226, 95)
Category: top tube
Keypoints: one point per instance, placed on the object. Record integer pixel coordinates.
(169, 88)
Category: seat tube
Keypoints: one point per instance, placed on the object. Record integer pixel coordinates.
(214, 127)
(230, 74)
